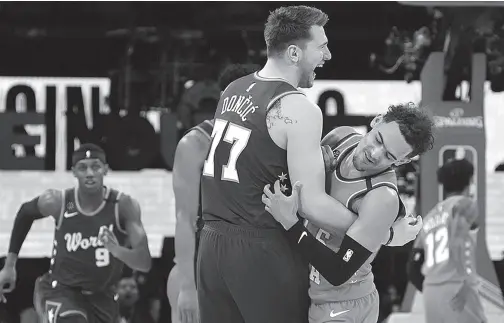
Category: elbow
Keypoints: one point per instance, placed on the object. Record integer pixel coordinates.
(146, 264)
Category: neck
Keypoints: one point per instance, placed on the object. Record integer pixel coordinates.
(90, 196)
(275, 68)
(463, 193)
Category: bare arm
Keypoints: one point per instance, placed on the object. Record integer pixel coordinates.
(47, 204)
(306, 164)
(188, 165)
(465, 215)
(377, 213)
(138, 257)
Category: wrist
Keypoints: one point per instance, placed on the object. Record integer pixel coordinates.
(11, 260)
(116, 251)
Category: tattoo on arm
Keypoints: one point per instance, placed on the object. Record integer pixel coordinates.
(275, 115)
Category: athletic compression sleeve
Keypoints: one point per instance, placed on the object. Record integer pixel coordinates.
(414, 268)
(336, 267)
(28, 213)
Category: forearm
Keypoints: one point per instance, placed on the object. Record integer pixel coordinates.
(138, 258)
(27, 214)
(336, 267)
(185, 244)
(327, 213)
(459, 253)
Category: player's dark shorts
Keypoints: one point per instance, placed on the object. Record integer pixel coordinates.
(58, 301)
(250, 275)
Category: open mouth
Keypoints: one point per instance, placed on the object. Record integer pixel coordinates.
(89, 182)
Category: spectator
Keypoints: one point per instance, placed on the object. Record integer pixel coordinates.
(202, 97)
(130, 310)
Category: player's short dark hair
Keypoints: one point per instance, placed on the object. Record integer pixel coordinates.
(455, 175)
(415, 125)
(233, 72)
(288, 25)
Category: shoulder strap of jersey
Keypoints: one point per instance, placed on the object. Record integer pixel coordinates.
(205, 127)
(113, 196)
(386, 178)
(282, 89)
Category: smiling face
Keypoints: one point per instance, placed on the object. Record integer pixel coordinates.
(314, 54)
(382, 147)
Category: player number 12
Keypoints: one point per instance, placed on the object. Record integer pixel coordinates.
(236, 135)
(437, 247)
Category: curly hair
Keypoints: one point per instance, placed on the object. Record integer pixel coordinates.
(233, 72)
(415, 124)
(288, 25)
(455, 175)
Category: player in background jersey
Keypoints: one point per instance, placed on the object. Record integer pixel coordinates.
(190, 155)
(342, 287)
(92, 225)
(443, 262)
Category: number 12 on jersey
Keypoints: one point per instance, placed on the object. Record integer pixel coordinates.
(437, 247)
(236, 135)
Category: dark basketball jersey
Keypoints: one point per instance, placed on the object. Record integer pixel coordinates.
(243, 158)
(440, 266)
(349, 192)
(79, 259)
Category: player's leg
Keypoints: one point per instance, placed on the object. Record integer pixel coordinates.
(172, 291)
(103, 307)
(270, 282)
(214, 299)
(59, 303)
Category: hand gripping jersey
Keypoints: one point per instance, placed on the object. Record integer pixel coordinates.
(243, 158)
(349, 192)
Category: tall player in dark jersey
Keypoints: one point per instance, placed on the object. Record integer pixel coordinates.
(190, 155)
(443, 263)
(342, 287)
(265, 129)
(93, 225)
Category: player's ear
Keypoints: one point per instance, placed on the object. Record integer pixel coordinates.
(74, 171)
(105, 169)
(294, 54)
(377, 120)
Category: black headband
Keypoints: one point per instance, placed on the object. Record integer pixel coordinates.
(88, 154)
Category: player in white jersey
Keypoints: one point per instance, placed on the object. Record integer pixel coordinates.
(342, 287)
(443, 262)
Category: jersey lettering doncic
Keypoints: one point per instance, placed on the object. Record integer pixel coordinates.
(349, 192)
(79, 259)
(439, 265)
(243, 158)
